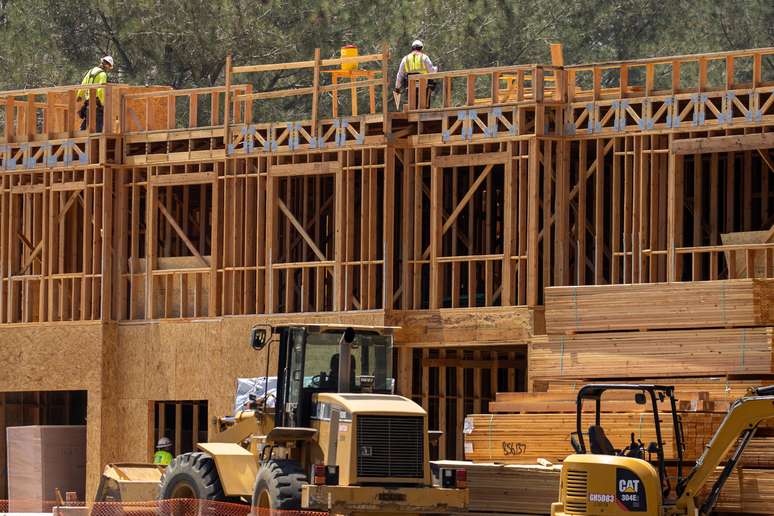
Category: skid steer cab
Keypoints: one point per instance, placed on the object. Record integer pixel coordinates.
(332, 437)
(603, 479)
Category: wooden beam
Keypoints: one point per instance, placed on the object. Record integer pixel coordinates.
(306, 169)
(180, 233)
(67, 205)
(723, 143)
(765, 158)
(470, 160)
(35, 252)
(296, 224)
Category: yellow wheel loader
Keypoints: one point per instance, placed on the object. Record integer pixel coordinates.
(333, 437)
(600, 480)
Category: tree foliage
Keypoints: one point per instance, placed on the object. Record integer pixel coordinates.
(185, 43)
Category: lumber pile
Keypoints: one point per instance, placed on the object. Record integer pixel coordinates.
(498, 488)
(759, 453)
(666, 353)
(615, 401)
(682, 305)
(712, 341)
(717, 389)
(748, 491)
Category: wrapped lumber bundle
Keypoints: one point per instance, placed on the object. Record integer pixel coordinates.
(520, 489)
(747, 491)
(711, 304)
(653, 354)
(525, 438)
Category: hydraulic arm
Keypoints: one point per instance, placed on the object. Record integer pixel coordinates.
(737, 428)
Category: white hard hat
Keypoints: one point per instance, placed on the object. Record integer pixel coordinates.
(108, 60)
(417, 43)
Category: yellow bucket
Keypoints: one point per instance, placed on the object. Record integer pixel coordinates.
(349, 51)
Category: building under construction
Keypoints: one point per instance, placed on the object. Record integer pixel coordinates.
(525, 226)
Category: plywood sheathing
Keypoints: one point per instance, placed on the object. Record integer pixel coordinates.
(67, 356)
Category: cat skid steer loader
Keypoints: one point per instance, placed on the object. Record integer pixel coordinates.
(333, 437)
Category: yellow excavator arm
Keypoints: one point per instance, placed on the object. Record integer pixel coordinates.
(738, 427)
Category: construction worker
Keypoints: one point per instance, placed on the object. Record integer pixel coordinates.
(163, 455)
(414, 63)
(97, 75)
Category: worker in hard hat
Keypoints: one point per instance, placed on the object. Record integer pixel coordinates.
(96, 75)
(163, 455)
(413, 63)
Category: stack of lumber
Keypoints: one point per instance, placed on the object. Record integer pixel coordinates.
(759, 453)
(497, 488)
(711, 304)
(748, 491)
(666, 353)
(720, 391)
(524, 438)
(523, 427)
(614, 401)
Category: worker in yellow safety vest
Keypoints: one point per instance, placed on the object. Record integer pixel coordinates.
(163, 455)
(96, 75)
(413, 63)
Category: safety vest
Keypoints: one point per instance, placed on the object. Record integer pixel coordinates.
(415, 63)
(162, 457)
(94, 76)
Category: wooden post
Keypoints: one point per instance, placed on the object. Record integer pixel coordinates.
(389, 228)
(227, 104)
(671, 215)
(316, 92)
(532, 223)
(508, 229)
(436, 235)
(385, 88)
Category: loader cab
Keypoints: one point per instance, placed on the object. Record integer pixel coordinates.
(312, 359)
(647, 397)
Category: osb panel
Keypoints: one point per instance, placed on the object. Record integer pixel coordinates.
(132, 439)
(124, 366)
(130, 359)
(62, 356)
(465, 326)
(51, 357)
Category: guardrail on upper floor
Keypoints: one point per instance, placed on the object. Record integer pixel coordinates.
(696, 73)
(485, 86)
(54, 113)
(329, 120)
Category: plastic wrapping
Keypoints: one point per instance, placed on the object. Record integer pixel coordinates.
(256, 386)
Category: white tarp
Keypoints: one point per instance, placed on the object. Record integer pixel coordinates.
(257, 387)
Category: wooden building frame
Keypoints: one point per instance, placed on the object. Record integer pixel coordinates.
(466, 204)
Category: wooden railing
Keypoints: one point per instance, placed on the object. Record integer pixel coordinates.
(167, 109)
(325, 78)
(485, 86)
(669, 75)
(53, 113)
(740, 261)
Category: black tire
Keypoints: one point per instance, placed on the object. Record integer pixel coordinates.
(278, 486)
(191, 475)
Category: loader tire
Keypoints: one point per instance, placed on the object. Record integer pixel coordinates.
(278, 486)
(191, 475)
